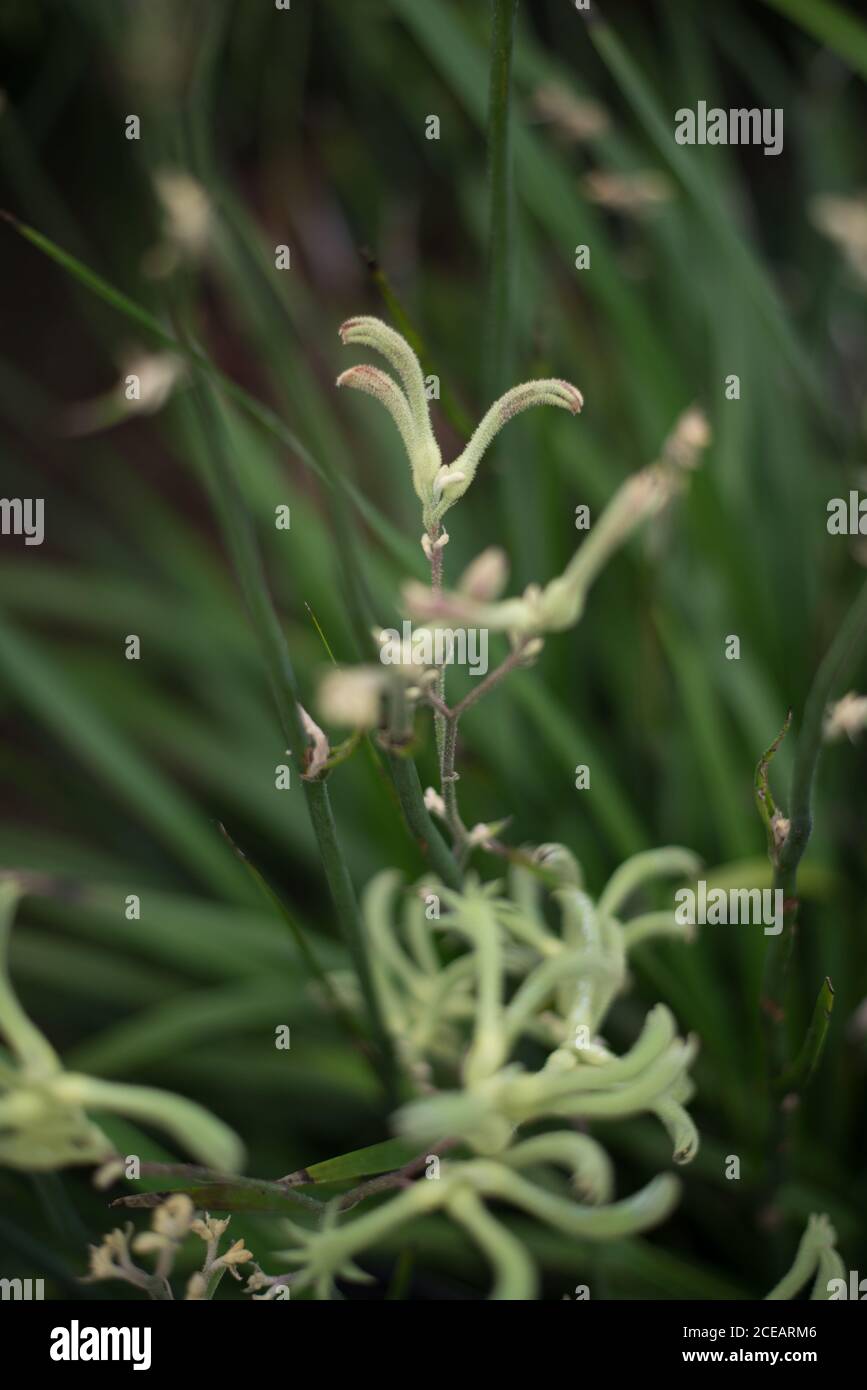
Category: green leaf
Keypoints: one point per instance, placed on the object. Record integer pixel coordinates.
(360, 1163)
(231, 1194)
(686, 167)
(831, 25)
(43, 685)
(255, 408)
(803, 1069)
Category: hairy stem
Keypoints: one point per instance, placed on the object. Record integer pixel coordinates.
(512, 661)
(439, 698)
(449, 778)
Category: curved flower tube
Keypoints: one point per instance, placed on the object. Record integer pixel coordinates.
(438, 485)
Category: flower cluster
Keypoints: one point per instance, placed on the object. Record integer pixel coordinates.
(437, 485)
(519, 980)
(361, 697)
(172, 1221)
(43, 1108)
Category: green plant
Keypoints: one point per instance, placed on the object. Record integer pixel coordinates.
(704, 262)
(519, 980)
(44, 1120)
(464, 1018)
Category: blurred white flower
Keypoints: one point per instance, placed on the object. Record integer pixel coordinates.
(187, 223)
(629, 193)
(848, 716)
(578, 118)
(351, 696)
(844, 221)
(146, 382)
(485, 577)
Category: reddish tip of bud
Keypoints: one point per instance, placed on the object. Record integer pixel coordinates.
(364, 373)
(345, 328)
(576, 400)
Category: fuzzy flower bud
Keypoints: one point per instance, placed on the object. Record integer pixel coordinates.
(462, 471)
(408, 407)
(385, 389)
(438, 485)
(210, 1229)
(485, 577)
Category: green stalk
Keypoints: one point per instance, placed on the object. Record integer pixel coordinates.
(519, 514)
(35, 1054)
(830, 25)
(515, 1277)
(838, 662)
(406, 781)
(501, 202)
(305, 950)
(803, 1069)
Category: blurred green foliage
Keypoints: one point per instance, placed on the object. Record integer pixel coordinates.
(307, 129)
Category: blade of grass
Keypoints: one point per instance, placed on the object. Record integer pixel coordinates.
(186, 1021)
(846, 648)
(241, 541)
(501, 211)
(685, 167)
(803, 1069)
(249, 403)
(840, 31)
(43, 685)
(360, 1163)
(305, 950)
(231, 1194)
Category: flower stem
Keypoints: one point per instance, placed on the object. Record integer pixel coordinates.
(406, 781)
(512, 661)
(436, 583)
(450, 718)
